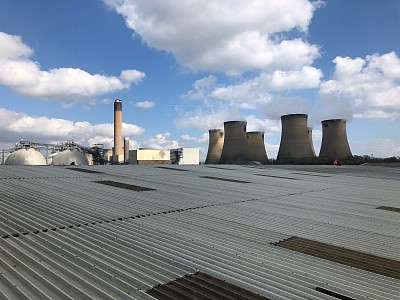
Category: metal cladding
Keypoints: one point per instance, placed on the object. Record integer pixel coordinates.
(311, 140)
(126, 149)
(215, 145)
(68, 157)
(26, 157)
(334, 139)
(235, 149)
(118, 127)
(295, 141)
(256, 147)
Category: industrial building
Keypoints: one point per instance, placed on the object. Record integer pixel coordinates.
(215, 145)
(295, 138)
(190, 232)
(334, 140)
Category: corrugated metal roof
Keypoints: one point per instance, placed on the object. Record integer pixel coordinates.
(65, 236)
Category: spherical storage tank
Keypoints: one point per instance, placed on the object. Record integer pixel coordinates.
(69, 157)
(26, 157)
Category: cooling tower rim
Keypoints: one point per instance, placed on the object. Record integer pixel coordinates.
(333, 121)
(255, 132)
(216, 130)
(293, 116)
(235, 122)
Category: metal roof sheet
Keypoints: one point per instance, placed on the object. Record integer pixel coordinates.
(64, 236)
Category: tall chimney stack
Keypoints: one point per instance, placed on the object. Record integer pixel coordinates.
(126, 150)
(117, 131)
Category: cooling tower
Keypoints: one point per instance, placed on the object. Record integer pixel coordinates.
(234, 150)
(118, 128)
(295, 141)
(309, 129)
(334, 139)
(215, 144)
(126, 150)
(256, 147)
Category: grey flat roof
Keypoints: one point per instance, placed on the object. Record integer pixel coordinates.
(65, 236)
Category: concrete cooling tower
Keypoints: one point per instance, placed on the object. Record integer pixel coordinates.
(26, 157)
(334, 140)
(295, 140)
(256, 147)
(235, 149)
(311, 140)
(68, 157)
(215, 145)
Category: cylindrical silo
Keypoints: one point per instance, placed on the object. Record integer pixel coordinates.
(126, 149)
(235, 149)
(256, 147)
(311, 140)
(215, 145)
(334, 139)
(118, 127)
(295, 141)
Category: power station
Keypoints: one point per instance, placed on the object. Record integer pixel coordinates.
(334, 140)
(256, 147)
(295, 140)
(235, 150)
(215, 145)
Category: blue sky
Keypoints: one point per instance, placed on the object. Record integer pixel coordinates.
(183, 69)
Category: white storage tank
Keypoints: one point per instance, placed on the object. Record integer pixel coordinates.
(69, 157)
(26, 157)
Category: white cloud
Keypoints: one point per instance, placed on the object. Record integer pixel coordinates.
(15, 126)
(267, 126)
(367, 88)
(26, 77)
(145, 104)
(186, 138)
(228, 36)
(160, 141)
(381, 147)
(204, 120)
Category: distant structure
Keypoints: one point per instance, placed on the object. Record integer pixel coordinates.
(24, 154)
(118, 155)
(126, 150)
(295, 140)
(256, 147)
(68, 157)
(185, 156)
(235, 150)
(215, 145)
(334, 140)
(309, 129)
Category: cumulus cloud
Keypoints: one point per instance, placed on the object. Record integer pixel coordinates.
(15, 126)
(19, 72)
(364, 87)
(187, 138)
(381, 147)
(228, 36)
(145, 104)
(160, 141)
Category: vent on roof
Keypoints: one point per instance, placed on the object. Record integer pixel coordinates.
(173, 169)
(131, 187)
(317, 175)
(395, 209)
(225, 179)
(273, 176)
(84, 170)
(333, 294)
(368, 262)
(202, 286)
